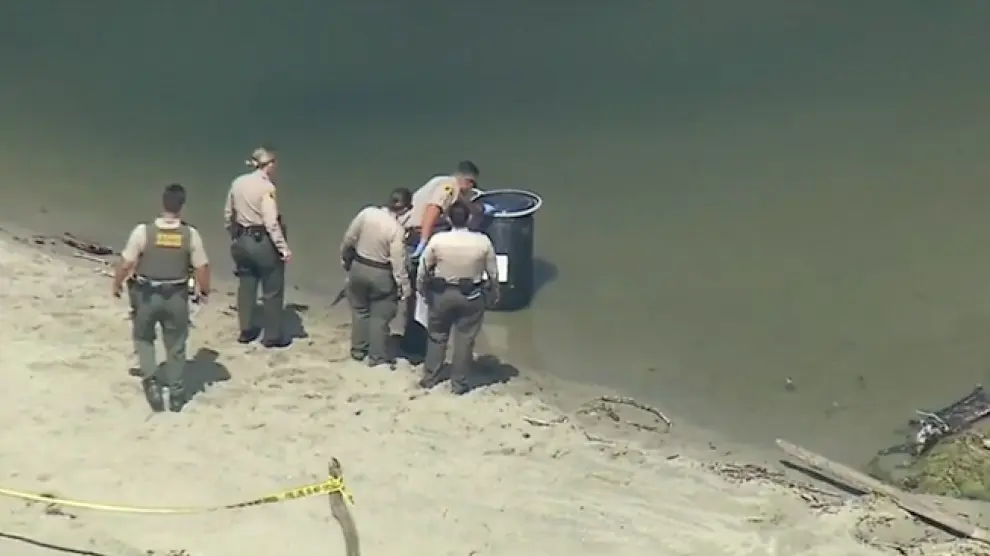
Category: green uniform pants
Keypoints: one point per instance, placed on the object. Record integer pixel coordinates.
(170, 309)
(450, 311)
(373, 298)
(257, 262)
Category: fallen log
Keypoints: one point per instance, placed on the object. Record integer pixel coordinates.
(861, 482)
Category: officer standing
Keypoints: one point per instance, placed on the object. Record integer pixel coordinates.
(156, 262)
(373, 252)
(454, 271)
(259, 248)
(434, 198)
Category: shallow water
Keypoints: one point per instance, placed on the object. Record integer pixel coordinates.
(734, 195)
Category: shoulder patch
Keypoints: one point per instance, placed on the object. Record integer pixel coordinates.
(271, 194)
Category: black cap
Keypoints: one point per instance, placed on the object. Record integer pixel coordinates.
(468, 168)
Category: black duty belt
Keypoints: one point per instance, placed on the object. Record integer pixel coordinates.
(166, 287)
(154, 282)
(373, 264)
(466, 286)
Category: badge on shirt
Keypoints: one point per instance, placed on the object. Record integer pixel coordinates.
(168, 240)
(449, 195)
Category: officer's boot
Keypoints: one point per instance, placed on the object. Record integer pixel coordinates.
(433, 378)
(152, 393)
(175, 398)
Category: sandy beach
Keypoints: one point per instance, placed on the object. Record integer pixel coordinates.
(498, 472)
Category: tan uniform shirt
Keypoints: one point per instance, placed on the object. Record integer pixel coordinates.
(252, 198)
(138, 240)
(377, 236)
(458, 254)
(441, 191)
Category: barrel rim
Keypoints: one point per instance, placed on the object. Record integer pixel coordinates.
(513, 214)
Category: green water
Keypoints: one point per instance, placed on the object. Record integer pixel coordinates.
(736, 193)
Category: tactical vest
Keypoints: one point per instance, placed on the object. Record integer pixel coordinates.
(167, 253)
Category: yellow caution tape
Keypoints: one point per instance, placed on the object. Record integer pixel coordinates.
(330, 486)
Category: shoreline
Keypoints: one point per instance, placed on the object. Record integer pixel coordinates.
(567, 482)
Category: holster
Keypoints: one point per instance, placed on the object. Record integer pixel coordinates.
(466, 286)
(435, 284)
(347, 257)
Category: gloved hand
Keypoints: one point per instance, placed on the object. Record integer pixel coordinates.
(489, 209)
(419, 249)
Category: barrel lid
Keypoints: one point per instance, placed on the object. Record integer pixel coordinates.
(510, 203)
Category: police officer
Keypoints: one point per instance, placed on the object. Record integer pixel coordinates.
(434, 198)
(259, 248)
(374, 253)
(156, 262)
(455, 270)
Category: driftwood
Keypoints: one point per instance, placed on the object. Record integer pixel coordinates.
(622, 400)
(341, 513)
(862, 482)
(90, 258)
(545, 423)
(85, 246)
(81, 246)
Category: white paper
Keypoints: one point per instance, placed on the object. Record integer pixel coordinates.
(502, 261)
(422, 311)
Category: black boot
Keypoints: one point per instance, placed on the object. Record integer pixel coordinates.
(176, 400)
(152, 393)
(459, 387)
(249, 335)
(433, 378)
(374, 362)
(276, 342)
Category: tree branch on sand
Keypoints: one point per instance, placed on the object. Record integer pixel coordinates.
(601, 405)
(341, 513)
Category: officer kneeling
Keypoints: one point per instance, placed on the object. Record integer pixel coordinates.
(156, 262)
(373, 252)
(456, 272)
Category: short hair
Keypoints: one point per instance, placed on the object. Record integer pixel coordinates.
(468, 168)
(261, 157)
(459, 213)
(174, 198)
(401, 198)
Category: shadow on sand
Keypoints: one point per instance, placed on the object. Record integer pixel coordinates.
(292, 322)
(487, 370)
(201, 372)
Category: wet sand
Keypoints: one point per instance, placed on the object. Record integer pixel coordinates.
(507, 469)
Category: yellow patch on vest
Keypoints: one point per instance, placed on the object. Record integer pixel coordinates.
(168, 240)
(272, 194)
